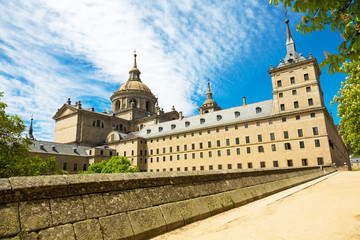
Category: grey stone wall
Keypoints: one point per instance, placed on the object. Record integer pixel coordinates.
(131, 206)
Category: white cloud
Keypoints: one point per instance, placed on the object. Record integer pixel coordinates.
(83, 49)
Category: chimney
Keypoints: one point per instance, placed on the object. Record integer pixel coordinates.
(180, 115)
(244, 100)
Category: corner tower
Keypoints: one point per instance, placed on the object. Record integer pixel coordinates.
(295, 80)
(133, 99)
(210, 104)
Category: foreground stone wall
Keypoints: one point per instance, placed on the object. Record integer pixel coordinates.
(131, 206)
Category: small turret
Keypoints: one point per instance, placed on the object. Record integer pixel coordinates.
(210, 104)
(30, 132)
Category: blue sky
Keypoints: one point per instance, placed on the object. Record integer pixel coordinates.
(51, 50)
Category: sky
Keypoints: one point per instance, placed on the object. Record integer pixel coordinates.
(53, 50)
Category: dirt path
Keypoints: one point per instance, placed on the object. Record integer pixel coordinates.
(329, 209)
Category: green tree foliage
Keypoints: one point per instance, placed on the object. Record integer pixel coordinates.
(117, 164)
(348, 99)
(342, 15)
(14, 150)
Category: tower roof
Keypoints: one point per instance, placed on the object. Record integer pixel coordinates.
(30, 132)
(291, 55)
(209, 98)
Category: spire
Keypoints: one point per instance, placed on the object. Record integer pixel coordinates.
(30, 132)
(134, 72)
(209, 93)
(291, 55)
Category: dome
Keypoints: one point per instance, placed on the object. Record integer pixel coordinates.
(209, 101)
(134, 86)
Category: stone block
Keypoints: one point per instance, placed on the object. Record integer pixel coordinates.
(185, 190)
(87, 183)
(57, 233)
(172, 216)
(88, 230)
(238, 198)
(259, 191)
(116, 227)
(29, 236)
(5, 190)
(114, 202)
(9, 219)
(122, 201)
(163, 194)
(94, 205)
(147, 222)
(34, 215)
(188, 211)
(12, 238)
(67, 210)
(202, 207)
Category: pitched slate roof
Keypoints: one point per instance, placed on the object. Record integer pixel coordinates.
(58, 148)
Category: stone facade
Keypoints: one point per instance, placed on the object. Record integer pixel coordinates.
(293, 128)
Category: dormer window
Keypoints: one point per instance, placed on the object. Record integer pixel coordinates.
(237, 114)
(160, 129)
(202, 120)
(173, 126)
(187, 124)
(148, 131)
(258, 110)
(218, 117)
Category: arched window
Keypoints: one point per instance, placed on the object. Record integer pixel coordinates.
(187, 124)
(117, 105)
(133, 101)
(237, 114)
(218, 117)
(101, 152)
(202, 120)
(121, 127)
(206, 111)
(173, 126)
(148, 106)
(258, 110)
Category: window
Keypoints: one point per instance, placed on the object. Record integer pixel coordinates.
(209, 144)
(187, 124)
(286, 134)
(229, 166)
(193, 155)
(300, 133)
(178, 157)
(200, 133)
(164, 150)
(208, 131)
(185, 169)
(297, 117)
(185, 147)
(317, 142)
(160, 129)
(258, 110)
(293, 92)
(262, 164)
(320, 161)
(173, 126)
(218, 117)
(228, 152)
(65, 166)
(75, 166)
(192, 134)
(287, 146)
(312, 115)
(227, 142)
(310, 101)
(281, 95)
(304, 162)
(273, 147)
(185, 156)
(217, 130)
(270, 121)
(315, 131)
(258, 124)
(282, 107)
(210, 154)
(170, 149)
(259, 138)
(306, 76)
(157, 151)
(84, 166)
(308, 89)
(157, 159)
(275, 163)
(250, 165)
(237, 114)
(248, 150)
(201, 155)
(90, 152)
(202, 121)
(219, 166)
(98, 123)
(236, 127)
(238, 151)
(193, 146)
(272, 136)
(201, 145)
(296, 104)
(302, 144)
(246, 125)
(219, 153)
(226, 129)
(292, 80)
(210, 167)
(177, 148)
(289, 163)
(237, 140)
(164, 158)
(218, 143)
(178, 169)
(283, 119)
(239, 166)
(202, 168)
(247, 139)
(102, 152)
(261, 148)
(279, 83)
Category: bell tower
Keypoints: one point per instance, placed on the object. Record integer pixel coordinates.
(209, 105)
